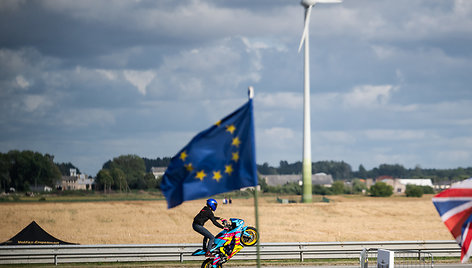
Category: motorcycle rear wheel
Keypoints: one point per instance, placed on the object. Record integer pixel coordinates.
(252, 239)
(208, 264)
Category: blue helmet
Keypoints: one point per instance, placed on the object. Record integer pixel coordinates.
(212, 204)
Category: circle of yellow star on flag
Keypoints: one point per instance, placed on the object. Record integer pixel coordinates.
(236, 142)
(228, 169)
(183, 156)
(201, 175)
(217, 175)
(230, 129)
(235, 156)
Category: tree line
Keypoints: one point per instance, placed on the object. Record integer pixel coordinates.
(23, 170)
(128, 172)
(340, 170)
(26, 169)
(356, 186)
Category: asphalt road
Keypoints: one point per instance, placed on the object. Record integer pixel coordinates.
(233, 265)
(441, 265)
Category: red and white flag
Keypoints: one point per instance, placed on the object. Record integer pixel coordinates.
(455, 208)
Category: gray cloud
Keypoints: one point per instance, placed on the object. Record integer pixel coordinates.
(87, 81)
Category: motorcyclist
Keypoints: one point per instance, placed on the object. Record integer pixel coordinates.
(205, 214)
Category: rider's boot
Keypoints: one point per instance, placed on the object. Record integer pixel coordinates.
(208, 252)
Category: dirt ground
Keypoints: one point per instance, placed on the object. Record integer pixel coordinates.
(346, 218)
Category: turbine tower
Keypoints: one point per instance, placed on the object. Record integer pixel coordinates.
(306, 175)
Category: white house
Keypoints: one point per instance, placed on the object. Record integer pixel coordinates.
(158, 171)
(399, 185)
(75, 181)
(419, 182)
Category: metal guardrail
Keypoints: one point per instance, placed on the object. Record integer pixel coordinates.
(180, 252)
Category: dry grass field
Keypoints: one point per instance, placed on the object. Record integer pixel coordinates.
(347, 218)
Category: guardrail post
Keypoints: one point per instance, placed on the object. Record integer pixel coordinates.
(181, 257)
(301, 252)
(55, 259)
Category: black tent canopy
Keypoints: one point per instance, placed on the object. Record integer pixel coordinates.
(33, 234)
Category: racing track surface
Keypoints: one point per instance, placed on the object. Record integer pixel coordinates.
(441, 265)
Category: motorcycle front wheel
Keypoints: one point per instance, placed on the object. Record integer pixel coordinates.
(208, 264)
(250, 237)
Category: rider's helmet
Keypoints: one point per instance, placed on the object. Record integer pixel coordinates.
(212, 204)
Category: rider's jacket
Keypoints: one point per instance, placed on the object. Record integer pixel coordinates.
(204, 215)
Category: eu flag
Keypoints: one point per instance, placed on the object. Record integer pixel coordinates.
(219, 159)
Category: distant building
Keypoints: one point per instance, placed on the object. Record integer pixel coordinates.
(322, 179)
(369, 182)
(75, 181)
(158, 171)
(316, 179)
(399, 185)
(419, 182)
(442, 185)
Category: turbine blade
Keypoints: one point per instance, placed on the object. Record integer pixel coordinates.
(329, 1)
(305, 29)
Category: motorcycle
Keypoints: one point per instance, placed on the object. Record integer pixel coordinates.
(229, 242)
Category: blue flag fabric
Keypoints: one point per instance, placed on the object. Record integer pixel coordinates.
(219, 159)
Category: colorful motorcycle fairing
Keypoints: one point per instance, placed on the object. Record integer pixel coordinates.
(227, 243)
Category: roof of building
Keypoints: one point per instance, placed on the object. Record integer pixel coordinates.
(158, 169)
(419, 182)
(316, 179)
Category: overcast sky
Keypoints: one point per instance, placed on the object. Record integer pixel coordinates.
(87, 81)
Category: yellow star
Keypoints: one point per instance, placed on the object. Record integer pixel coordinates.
(200, 175)
(217, 175)
(189, 167)
(183, 155)
(236, 142)
(230, 129)
(235, 156)
(228, 169)
(218, 123)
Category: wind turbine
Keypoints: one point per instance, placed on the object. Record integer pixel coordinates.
(306, 175)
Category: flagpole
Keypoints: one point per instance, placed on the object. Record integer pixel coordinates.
(256, 210)
(256, 201)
